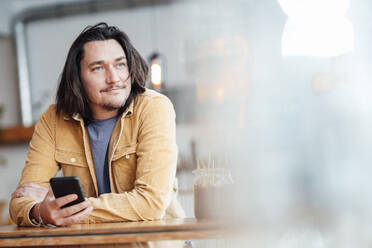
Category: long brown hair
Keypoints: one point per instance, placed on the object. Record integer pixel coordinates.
(71, 97)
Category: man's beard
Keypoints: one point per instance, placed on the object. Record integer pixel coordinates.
(113, 107)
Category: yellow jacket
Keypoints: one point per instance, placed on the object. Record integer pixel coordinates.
(142, 157)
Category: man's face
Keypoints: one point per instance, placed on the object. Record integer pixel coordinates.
(105, 76)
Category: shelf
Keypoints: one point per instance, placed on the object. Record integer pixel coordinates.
(15, 134)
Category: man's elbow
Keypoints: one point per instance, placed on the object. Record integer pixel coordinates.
(153, 214)
(16, 211)
(155, 208)
(19, 209)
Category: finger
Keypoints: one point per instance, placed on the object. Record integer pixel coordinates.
(66, 212)
(76, 218)
(61, 201)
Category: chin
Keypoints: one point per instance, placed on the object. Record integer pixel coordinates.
(111, 106)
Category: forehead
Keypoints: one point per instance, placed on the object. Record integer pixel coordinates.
(102, 50)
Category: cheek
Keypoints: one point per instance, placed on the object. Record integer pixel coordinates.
(92, 91)
(124, 74)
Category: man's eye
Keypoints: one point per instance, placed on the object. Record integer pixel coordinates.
(97, 68)
(121, 65)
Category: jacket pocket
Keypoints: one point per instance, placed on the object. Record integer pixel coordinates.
(74, 164)
(70, 158)
(125, 150)
(124, 165)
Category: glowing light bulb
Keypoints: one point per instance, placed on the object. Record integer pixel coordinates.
(155, 71)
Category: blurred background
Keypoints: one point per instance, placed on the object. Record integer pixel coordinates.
(279, 92)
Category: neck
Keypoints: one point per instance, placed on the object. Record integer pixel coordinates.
(104, 114)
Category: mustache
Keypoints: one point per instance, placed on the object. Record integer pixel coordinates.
(112, 87)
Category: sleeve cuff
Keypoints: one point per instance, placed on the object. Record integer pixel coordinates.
(27, 219)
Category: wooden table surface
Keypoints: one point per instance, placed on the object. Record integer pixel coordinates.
(118, 233)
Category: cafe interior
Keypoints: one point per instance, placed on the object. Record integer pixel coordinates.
(273, 100)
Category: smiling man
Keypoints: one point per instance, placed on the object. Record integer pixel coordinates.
(110, 131)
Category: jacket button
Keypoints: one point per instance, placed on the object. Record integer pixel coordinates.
(127, 156)
(73, 160)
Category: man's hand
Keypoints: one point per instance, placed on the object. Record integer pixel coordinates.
(32, 190)
(50, 207)
(52, 213)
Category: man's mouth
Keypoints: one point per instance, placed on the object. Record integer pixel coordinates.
(113, 88)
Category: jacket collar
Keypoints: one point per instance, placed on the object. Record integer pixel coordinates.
(77, 116)
(129, 110)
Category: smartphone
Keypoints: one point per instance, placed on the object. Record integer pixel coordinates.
(62, 186)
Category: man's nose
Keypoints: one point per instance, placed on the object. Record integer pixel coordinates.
(112, 75)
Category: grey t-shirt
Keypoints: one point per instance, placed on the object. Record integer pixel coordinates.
(99, 135)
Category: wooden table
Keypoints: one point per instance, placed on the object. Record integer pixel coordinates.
(111, 233)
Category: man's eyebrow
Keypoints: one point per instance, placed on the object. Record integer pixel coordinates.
(100, 62)
(121, 58)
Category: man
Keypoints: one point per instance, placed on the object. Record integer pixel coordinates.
(110, 131)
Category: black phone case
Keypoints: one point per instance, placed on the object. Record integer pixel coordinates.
(62, 186)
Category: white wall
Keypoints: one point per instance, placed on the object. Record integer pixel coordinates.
(13, 155)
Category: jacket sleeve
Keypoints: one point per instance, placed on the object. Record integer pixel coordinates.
(40, 166)
(155, 173)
